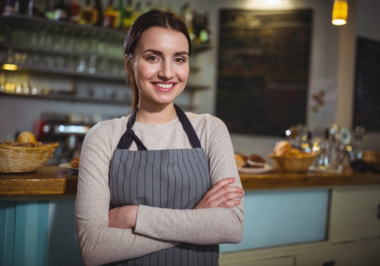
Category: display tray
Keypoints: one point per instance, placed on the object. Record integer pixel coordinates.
(252, 171)
(68, 166)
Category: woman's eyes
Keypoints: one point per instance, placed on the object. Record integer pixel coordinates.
(154, 58)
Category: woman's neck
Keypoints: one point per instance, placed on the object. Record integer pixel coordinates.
(155, 114)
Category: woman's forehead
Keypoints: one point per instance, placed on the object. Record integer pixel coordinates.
(159, 38)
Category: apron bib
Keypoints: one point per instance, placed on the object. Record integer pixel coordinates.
(173, 178)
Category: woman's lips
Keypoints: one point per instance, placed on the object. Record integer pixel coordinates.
(164, 87)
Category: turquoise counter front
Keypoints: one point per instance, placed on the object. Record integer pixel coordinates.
(42, 232)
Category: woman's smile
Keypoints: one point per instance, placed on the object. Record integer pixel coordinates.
(164, 87)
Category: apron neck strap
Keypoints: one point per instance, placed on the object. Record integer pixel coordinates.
(190, 132)
(129, 136)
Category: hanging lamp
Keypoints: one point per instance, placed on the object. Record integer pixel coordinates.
(340, 11)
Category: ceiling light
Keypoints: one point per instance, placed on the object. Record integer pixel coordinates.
(273, 2)
(340, 11)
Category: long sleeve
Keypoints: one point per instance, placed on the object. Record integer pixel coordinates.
(99, 243)
(204, 226)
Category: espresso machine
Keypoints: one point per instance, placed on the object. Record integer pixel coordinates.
(68, 130)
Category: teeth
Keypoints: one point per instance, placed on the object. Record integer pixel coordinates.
(164, 86)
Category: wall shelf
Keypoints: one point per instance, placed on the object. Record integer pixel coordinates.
(39, 45)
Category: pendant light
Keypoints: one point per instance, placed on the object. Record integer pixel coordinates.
(273, 2)
(340, 11)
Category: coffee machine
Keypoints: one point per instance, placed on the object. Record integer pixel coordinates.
(68, 130)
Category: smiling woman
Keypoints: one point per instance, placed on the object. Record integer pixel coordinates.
(159, 186)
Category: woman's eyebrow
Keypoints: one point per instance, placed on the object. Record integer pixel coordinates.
(160, 53)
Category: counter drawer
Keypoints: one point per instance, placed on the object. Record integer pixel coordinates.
(369, 253)
(354, 213)
(331, 257)
(283, 261)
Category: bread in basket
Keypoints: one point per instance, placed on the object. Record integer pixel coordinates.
(21, 158)
(288, 159)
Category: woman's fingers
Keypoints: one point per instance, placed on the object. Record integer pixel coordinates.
(224, 191)
(222, 195)
(230, 203)
(224, 198)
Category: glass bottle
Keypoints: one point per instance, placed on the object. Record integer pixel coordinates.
(87, 14)
(128, 11)
(74, 10)
(97, 13)
(60, 12)
(50, 9)
(119, 15)
(109, 16)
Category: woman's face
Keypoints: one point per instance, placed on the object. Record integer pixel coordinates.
(160, 65)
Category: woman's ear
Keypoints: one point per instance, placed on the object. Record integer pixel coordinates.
(128, 64)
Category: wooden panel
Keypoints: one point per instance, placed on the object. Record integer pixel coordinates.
(333, 257)
(263, 69)
(354, 213)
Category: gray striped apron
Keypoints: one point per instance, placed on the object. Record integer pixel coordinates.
(173, 178)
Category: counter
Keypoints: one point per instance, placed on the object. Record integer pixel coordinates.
(281, 210)
(54, 180)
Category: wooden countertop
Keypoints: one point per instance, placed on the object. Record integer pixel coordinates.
(54, 180)
(48, 180)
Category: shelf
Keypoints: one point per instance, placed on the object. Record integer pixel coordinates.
(74, 30)
(67, 98)
(71, 73)
(59, 27)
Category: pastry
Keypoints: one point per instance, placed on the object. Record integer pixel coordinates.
(240, 160)
(282, 148)
(255, 161)
(75, 162)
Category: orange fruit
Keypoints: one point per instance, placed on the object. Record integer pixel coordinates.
(26, 136)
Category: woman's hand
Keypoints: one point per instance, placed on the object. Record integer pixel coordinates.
(222, 195)
(123, 217)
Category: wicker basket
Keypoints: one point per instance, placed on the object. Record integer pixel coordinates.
(293, 164)
(20, 159)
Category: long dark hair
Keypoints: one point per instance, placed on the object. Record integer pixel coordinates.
(152, 18)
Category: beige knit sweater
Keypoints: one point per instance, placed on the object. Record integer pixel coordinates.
(156, 228)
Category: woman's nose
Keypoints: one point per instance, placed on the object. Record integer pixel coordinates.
(166, 71)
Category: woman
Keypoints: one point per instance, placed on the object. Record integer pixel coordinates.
(159, 187)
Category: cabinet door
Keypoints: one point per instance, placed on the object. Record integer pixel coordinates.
(284, 261)
(370, 253)
(331, 257)
(354, 213)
